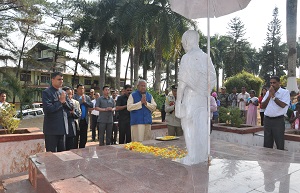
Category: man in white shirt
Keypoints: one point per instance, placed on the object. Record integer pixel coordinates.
(242, 99)
(275, 103)
(94, 117)
(3, 100)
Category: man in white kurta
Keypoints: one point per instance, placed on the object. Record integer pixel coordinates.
(192, 98)
(141, 105)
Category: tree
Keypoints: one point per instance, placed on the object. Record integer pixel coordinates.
(81, 26)
(17, 16)
(236, 58)
(273, 52)
(101, 35)
(291, 29)
(62, 12)
(163, 26)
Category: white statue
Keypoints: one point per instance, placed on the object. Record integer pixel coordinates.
(192, 95)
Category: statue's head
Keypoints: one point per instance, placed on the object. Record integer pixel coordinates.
(190, 39)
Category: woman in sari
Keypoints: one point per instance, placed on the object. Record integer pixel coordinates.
(252, 104)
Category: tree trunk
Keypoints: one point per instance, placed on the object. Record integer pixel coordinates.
(118, 63)
(158, 61)
(176, 69)
(76, 66)
(167, 75)
(106, 68)
(217, 73)
(145, 69)
(291, 30)
(127, 65)
(57, 46)
(22, 51)
(131, 66)
(102, 76)
(19, 63)
(136, 63)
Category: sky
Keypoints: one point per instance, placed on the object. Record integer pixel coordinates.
(255, 17)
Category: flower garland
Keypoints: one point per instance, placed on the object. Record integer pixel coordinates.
(168, 152)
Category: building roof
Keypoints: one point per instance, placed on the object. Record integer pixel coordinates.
(51, 46)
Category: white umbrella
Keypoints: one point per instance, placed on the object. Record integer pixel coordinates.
(194, 9)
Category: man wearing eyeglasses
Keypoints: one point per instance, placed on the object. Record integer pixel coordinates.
(275, 103)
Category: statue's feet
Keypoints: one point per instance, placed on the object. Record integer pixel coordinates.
(186, 160)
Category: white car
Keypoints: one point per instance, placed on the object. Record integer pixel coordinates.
(30, 113)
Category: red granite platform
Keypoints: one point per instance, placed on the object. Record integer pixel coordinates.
(234, 168)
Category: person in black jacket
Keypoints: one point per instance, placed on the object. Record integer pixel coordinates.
(55, 106)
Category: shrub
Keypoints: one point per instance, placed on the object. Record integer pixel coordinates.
(7, 118)
(231, 115)
(159, 99)
(246, 79)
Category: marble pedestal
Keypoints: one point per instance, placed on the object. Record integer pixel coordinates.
(234, 168)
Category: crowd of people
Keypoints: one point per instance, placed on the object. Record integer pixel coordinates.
(274, 105)
(246, 102)
(68, 115)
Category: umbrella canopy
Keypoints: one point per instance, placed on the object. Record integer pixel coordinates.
(194, 9)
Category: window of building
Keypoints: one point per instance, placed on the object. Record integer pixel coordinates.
(96, 82)
(76, 81)
(25, 76)
(87, 81)
(45, 78)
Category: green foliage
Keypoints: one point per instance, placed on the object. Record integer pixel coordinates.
(231, 115)
(289, 113)
(13, 87)
(236, 57)
(159, 99)
(246, 79)
(7, 119)
(274, 53)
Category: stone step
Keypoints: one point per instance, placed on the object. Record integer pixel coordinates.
(16, 183)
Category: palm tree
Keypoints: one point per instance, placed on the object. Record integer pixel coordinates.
(101, 35)
(291, 29)
(134, 15)
(163, 25)
(83, 26)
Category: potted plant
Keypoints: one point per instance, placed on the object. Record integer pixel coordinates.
(7, 119)
(231, 116)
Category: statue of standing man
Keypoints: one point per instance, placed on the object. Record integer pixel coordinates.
(192, 98)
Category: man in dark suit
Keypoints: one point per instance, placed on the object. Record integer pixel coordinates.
(85, 103)
(55, 105)
(124, 116)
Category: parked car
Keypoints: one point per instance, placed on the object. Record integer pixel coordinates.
(30, 113)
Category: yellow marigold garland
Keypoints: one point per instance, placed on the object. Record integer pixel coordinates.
(168, 152)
